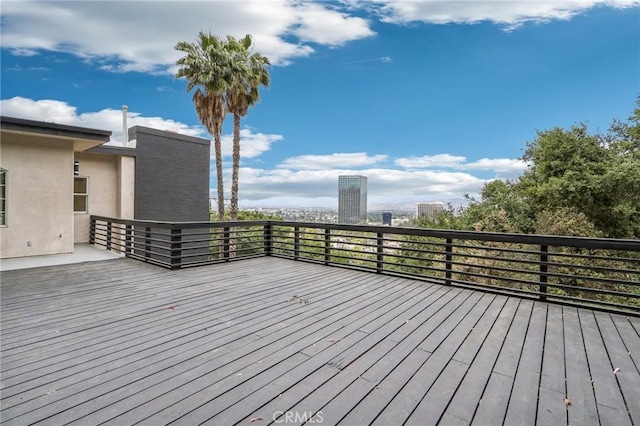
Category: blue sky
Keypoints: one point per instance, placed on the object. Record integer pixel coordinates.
(429, 99)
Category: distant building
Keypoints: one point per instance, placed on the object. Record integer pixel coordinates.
(429, 209)
(352, 199)
(386, 218)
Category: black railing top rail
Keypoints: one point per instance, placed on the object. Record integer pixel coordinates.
(533, 239)
(548, 240)
(181, 225)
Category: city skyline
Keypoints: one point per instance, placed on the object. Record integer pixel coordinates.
(429, 101)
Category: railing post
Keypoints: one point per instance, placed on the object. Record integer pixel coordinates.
(226, 242)
(296, 242)
(380, 253)
(109, 231)
(448, 260)
(92, 231)
(544, 258)
(176, 247)
(268, 239)
(327, 246)
(147, 242)
(127, 240)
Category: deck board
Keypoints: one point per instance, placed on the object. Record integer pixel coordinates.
(121, 342)
(523, 405)
(580, 401)
(551, 406)
(459, 344)
(611, 405)
(387, 377)
(622, 362)
(467, 373)
(464, 404)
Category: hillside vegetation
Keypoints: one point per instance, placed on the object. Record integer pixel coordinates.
(577, 183)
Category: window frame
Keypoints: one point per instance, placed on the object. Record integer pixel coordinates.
(78, 194)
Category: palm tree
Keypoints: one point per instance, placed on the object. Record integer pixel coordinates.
(207, 66)
(241, 94)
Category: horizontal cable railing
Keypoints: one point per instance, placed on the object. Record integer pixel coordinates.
(594, 272)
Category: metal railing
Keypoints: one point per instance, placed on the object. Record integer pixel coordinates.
(594, 272)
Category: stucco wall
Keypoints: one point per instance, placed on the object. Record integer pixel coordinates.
(39, 196)
(127, 187)
(102, 173)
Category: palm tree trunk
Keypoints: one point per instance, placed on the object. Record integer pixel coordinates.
(234, 181)
(236, 166)
(217, 145)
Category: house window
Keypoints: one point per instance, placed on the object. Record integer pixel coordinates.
(3, 197)
(80, 195)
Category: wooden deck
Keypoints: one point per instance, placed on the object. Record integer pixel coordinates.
(121, 342)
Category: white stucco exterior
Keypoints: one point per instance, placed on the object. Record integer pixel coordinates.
(101, 172)
(111, 189)
(39, 168)
(126, 183)
(39, 196)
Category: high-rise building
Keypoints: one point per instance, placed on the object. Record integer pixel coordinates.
(352, 199)
(387, 218)
(429, 209)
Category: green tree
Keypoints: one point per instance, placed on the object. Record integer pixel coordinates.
(208, 67)
(254, 215)
(565, 221)
(449, 218)
(625, 136)
(242, 93)
(591, 174)
(501, 208)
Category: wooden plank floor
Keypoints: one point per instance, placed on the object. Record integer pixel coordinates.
(274, 341)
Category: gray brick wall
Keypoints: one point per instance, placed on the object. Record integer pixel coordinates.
(172, 176)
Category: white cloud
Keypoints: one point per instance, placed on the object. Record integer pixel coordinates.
(251, 144)
(141, 35)
(431, 161)
(498, 165)
(20, 51)
(502, 167)
(319, 24)
(165, 89)
(508, 13)
(260, 184)
(332, 161)
(382, 59)
(457, 162)
(107, 119)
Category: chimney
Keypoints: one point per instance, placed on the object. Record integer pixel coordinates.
(125, 129)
